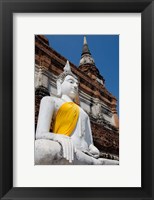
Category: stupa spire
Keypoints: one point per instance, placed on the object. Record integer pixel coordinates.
(85, 49)
(86, 57)
(85, 40)
(87, 64)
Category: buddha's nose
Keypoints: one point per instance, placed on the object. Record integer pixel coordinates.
(75, 85)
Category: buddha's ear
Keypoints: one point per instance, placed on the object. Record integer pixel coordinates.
(59, 88)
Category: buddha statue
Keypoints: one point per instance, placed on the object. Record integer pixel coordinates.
(70, 141)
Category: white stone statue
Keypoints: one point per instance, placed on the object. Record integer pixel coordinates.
(71, 141)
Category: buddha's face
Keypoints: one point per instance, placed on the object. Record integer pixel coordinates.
(69, 87)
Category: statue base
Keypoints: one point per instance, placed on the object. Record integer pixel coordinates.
(48, 152)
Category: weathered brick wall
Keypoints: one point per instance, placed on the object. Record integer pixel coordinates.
(106, 140)
(40, 92)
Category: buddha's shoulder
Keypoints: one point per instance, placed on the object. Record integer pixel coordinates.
(52, 99)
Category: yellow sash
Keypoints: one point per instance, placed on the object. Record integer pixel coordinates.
(66, 119)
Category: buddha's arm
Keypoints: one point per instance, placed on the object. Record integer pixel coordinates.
(46, 111)
(92, 149)
(47, 108)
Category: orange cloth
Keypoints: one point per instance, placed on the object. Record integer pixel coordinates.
(66, 118)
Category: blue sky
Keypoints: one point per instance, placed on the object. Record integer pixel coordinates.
(104, 50)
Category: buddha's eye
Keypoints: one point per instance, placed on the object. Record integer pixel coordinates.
(71, 81)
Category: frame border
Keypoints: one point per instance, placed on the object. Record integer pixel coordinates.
(7, 8)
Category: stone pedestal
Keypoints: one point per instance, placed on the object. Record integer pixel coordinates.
(48, 152)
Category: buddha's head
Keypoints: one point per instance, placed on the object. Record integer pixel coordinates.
(67, 83)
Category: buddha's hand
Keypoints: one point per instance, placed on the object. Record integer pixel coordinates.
(67, 146)
(94, 151)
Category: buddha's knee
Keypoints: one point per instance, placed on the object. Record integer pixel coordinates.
(47, 151)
